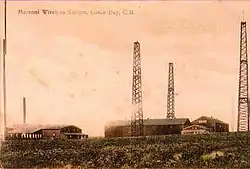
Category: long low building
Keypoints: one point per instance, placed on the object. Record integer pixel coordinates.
(34, 131)
(122, 128)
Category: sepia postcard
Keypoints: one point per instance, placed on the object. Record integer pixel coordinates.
(124, 84)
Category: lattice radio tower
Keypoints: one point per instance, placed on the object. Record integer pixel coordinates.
(170, 96)
(243, 103)
(137, 114)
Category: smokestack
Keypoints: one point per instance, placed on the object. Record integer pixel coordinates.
(24, 110)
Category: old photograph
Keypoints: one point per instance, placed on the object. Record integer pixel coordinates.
(124, 84)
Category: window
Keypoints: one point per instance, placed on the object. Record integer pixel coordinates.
(202, 121)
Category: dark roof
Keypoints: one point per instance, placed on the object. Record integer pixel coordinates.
(209, 118)
(148, 122)
(31, 128)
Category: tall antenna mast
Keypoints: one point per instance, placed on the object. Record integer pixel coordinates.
(243, 101)
(4, 71)
(137, 114)
(170, 96)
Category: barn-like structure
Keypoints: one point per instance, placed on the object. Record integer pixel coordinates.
(34, 131)
(206, 124)
(122, 128)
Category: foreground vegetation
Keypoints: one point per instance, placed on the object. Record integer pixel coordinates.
(230, 150)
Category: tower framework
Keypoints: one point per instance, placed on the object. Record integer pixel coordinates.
(170, 95)
(243, 103)
(137, 114)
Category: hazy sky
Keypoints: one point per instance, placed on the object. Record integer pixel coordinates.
(78, 69)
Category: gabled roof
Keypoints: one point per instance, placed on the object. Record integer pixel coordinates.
(148, 122)
(209, 118)
(198, 126)
(31, 128)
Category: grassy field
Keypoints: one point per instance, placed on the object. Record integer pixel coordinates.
(230, 150)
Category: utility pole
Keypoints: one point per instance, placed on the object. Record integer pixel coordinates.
(171, 94)
(24, 110)
(1, 111)
(137, 114)
(232, 118)
(4, 65)
(3, 73)
(243, 101)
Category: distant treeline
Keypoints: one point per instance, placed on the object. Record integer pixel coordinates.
(231, 150)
